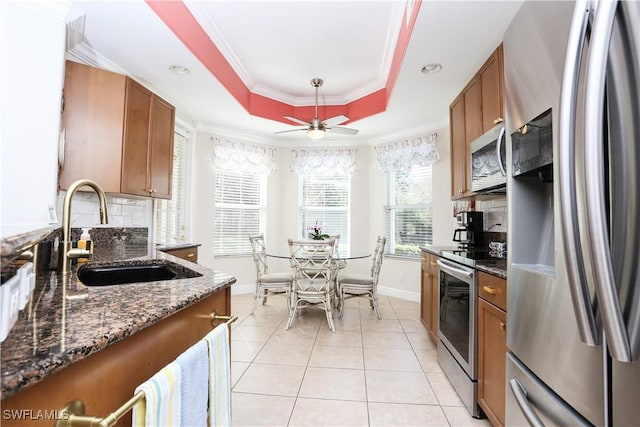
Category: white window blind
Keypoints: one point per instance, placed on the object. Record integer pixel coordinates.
(171, 214)
(239, 211)
(325, 200)
(408, 210)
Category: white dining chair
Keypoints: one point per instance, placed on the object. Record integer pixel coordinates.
(358, 285)
(268, 282)
(312, 261)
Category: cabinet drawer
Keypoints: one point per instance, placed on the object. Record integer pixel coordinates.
(493, 289)
(189, 254)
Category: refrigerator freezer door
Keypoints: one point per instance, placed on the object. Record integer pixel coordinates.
(538, 405)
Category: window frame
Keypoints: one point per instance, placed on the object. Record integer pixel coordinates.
(242, 236)
(391, 208)
(344, 246)
(185, 208)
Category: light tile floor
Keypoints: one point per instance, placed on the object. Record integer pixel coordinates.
(369, 372)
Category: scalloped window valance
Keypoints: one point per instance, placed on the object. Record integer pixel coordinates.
(402, 155)
(329, 162)
(242, 157)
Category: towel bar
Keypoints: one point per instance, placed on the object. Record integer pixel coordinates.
(215, 317)
(73, 413)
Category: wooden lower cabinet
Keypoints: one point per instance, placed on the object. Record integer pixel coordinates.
(429, 293)
(492, 351)
(107, 379)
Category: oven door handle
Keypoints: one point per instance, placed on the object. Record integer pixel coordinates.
(447, 268)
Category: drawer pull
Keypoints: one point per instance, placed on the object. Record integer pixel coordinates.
(503, 327)
(191, 255)
(491, 290)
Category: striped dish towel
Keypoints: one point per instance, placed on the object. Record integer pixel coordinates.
(194, 364)
(162, 403)
(219, 376)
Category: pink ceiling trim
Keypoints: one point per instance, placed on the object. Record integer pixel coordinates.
(176, 15)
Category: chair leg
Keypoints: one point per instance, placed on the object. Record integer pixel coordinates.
(292, 313)
(328, 312)
(341, 302)
(264, 297)
(255, 299)
(374, 303)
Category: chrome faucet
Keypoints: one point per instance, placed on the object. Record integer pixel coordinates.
(67, 252)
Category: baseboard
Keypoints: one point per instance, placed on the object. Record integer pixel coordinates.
(399, 293)
(390, 292)
(243, 289)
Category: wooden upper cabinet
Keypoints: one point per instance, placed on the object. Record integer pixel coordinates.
(458, 149)
(471, 114)
(492, 81)
(117, 133)
(473, 111)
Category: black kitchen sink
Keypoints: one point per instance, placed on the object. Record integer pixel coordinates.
(119, 274)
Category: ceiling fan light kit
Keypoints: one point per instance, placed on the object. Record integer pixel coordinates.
(316, 129)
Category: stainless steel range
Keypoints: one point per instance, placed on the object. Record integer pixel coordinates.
(457, 353)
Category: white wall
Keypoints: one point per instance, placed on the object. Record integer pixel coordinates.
(33, 46)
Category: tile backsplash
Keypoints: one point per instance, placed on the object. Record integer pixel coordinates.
(123, 212)
(495, 214)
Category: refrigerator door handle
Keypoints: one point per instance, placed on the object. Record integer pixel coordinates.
(520, 395)
(614, 327)
(498, 148)
(566, 154)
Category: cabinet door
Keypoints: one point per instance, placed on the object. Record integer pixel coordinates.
(161, 148)
(136, 139)
(425, 298)
(435, 303)
(492, 91)
(458, 149)
(473, 111)
(492, 350)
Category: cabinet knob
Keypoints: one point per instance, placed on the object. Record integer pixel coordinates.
(491, 290)
(503, 327)
(191, 255)
(498, 120)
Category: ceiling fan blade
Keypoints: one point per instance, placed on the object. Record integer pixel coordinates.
(292, 130)
(300, 122)
(342, 130)
(336, 120)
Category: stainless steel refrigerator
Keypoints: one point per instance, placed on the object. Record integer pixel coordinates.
(572, 77)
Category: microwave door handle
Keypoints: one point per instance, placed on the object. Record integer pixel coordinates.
(498, 147)
(573, 254)
(614, 327)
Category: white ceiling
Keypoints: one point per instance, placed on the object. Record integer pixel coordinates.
(277, 47)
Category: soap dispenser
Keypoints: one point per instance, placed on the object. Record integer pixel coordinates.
(85, 243)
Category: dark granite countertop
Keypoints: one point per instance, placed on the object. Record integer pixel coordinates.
(66, 321)
(495, 267)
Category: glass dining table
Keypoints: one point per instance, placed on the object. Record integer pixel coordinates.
(339, 262)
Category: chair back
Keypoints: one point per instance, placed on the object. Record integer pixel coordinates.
(312, 261)
(378, 254)
(258, 250)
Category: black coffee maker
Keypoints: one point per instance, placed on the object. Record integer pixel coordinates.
(469, 235)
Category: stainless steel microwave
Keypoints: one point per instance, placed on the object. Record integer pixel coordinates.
(488, 154)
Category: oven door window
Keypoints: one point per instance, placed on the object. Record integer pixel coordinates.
(454, 313)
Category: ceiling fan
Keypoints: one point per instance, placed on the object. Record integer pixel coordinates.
(316, 129)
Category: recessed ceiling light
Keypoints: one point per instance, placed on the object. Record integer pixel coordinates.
(431, 68)
(179, 69)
